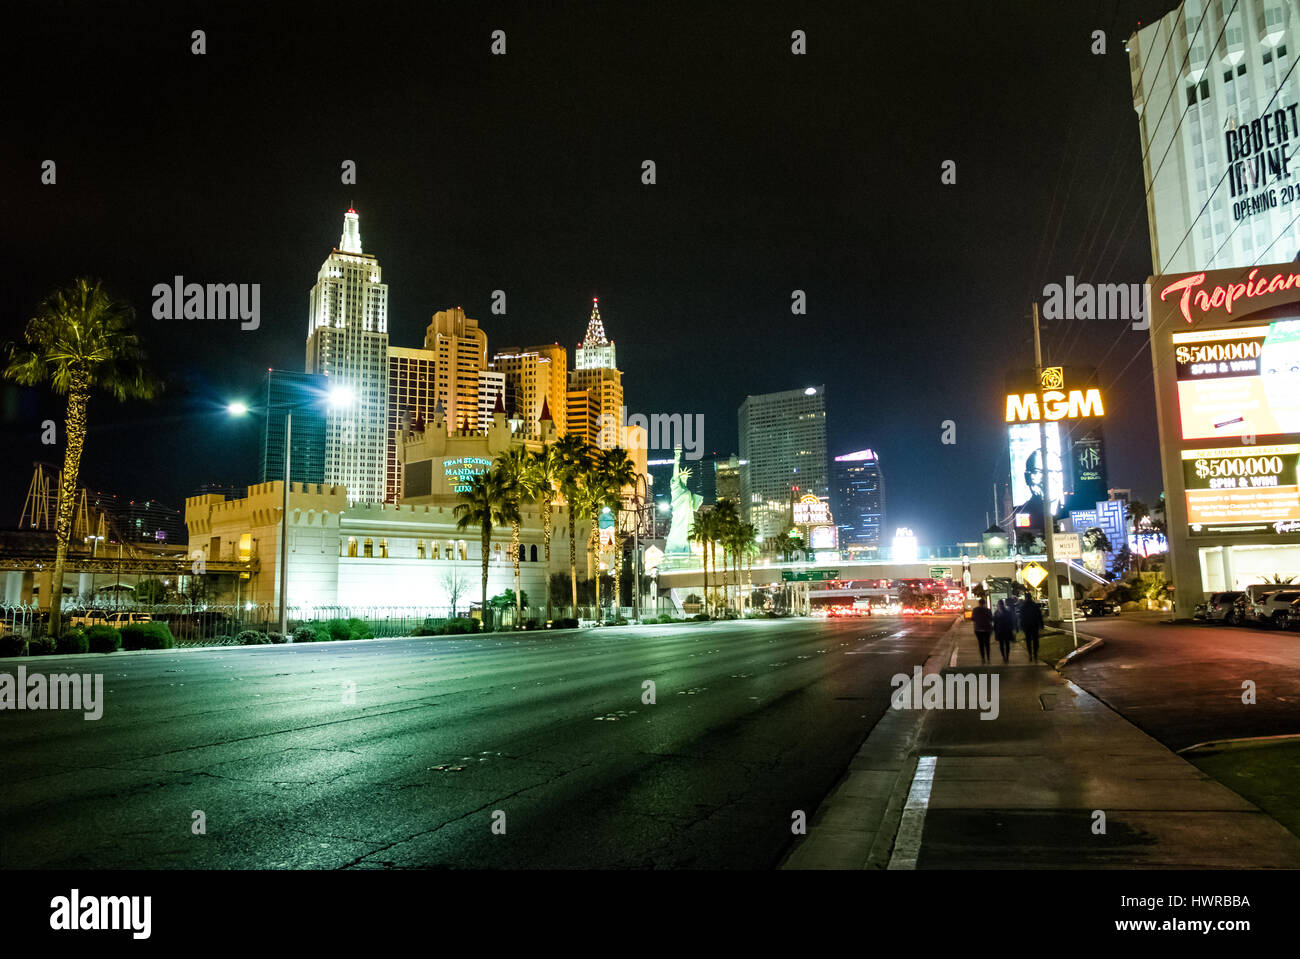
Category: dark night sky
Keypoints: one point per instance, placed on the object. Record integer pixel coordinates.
(478, 172)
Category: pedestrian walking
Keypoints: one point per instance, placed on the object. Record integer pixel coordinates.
(1031, 621)
(982, 619)
(1004, 628)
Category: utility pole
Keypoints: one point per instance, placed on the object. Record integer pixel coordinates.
(1049, 521)
(284, 529)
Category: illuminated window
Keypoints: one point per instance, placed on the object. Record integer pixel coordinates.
(352, 546)
(419, 549)
(368, 550)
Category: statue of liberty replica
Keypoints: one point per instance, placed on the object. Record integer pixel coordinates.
(684, 504)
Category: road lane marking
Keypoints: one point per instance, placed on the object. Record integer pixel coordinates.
(907, 844)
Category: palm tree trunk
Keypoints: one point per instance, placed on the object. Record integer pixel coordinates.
(593, 545)
(487, 542)
(75, 429)
(705, 559)
(618, 573)
(726, 579)
(546, 540)
(573, 559)
(514, 554)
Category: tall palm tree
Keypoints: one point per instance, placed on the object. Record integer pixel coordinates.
(485, 504)
(548, 464)
(748, 541)
(585, 503)
(519, 475)
(574, 455)
(79, 341)
(616, 471)
(728, 519)
(701, 532)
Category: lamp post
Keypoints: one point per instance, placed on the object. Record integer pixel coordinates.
(339, 397)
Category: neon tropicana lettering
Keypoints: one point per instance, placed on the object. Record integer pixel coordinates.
(1225, 296)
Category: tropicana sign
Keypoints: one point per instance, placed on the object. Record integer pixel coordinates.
(1225, 295)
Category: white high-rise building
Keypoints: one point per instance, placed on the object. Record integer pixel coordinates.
(596, 351)
(1220, 131)
(347, 339)
(783, 452)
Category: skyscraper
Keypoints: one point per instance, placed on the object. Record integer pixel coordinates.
(1216, 101)
(534, 376)
(347, 340)
(594, 400)
(412, 396)
(461, 354)
(303, 394)
(858, 498)
(783, 444)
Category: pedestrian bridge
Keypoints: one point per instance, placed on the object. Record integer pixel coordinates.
(768, 574)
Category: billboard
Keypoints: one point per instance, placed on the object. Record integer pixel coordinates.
(823, 537)
(811, 511)
(1242, 489)
(1239, 381)
(1087, 481)
(1027, 474)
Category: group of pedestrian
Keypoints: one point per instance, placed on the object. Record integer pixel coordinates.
(1003, 622)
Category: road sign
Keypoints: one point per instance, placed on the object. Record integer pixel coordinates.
(1067, 546)
(811, 575)
(940, 572)
(1033, 574)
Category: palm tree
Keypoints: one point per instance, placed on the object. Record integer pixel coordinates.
(574, 454)
(80, 340)
(548, 465)
(749, 542)
(701, 531)
(585, 502)
(485, 504)
(728, 524)
(616, 471)
(518, 474)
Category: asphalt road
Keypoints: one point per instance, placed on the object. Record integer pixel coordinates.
(1183, 684)
(752, 721)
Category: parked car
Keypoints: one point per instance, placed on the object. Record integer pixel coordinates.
(1229, 607)
(1274, 609)
(94, 617)
(1098, 607)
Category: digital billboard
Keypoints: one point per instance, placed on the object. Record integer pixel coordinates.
(1242, 381)
(1242, 489)
(1027, 476)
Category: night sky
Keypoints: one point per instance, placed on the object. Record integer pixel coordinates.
(523, 173)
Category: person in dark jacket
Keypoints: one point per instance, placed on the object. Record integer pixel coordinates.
(1004, 628)
(1031, 621)
(982, 620)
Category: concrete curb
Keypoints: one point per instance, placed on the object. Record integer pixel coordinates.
(1246, 742)
(1094, 642)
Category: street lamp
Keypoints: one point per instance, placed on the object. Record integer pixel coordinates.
(339, 397)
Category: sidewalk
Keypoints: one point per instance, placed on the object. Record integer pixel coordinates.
(1024, 790)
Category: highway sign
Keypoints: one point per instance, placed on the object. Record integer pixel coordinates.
(940, 572)
(811, 575)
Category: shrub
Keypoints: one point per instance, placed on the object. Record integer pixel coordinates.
(304, 634)
(252, 637)
(41, 646)
(12, 646)
(619, 622)
(1130, 606)
(276, 638)
(700, 618)
(147, 636)
(565, 623)
(461, 625)
(340, 629)
(103, 639)
(73, 641)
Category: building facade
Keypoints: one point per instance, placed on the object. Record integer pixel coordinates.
(1219, 127)
(783, 444)
(460, 355)
(305, 395)
(534, 377)
(1225, 349)
(594, 399)
(858, 499)
(348, 342)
